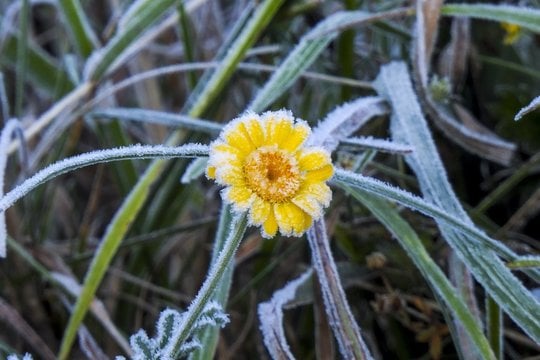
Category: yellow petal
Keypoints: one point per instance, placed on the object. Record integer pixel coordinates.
(308, 203)
(278, 127)
(240, 197)
(319, 175)
(237, 138)
(319, 192)
(211, 172)
(313, 158)
(270, 226)
(291, 219)
(230, 175)
(297, 137)
(259, 211)
(255, 131)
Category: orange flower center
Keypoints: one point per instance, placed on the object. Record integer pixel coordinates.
(273, 174)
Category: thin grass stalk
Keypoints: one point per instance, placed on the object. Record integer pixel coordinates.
(494, 326)
(83, 36)
(346, 331)
(22, 52)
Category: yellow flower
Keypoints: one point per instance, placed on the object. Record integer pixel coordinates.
(266, 170)
(513, 32)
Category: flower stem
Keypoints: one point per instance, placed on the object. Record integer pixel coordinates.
(226, 255)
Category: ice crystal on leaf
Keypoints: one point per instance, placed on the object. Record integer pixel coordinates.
(266, 170)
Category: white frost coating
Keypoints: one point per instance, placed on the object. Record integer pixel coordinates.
(16, 357)
(381, 145)
(5, 138)
(535, 104)
(100, 156)
(340, 317)
(343, 121)
(159, 117)
(271, 318)
(390, 192)
(409, 125)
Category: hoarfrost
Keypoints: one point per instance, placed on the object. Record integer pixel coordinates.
(271, 318)
(535, 104)
(343, 121)
(381, 145)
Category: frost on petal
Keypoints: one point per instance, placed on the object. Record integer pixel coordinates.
(278, 126)
(309, 204)
(298, 136)
(259, 211)
(319, 175)
(291, 219)
(270, 226)
(238, 139)
(313, 158)
(239, 197)
(254, 130)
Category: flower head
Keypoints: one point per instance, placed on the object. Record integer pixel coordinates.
(513, 32)
(261, 161)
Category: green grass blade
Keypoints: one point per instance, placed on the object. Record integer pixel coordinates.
(100, 263)
(409, 125)
(408, 239)
(41, 70)
(106, 57)
(260, 19)
(528, 18)
(78, 26)
(135, 200)
(340, 317)
(22, 57)
(159, 117)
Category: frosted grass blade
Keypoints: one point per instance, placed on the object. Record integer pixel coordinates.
(159, 117)
(409, 125)
(271, 318)
(409, 241)
(535, 104)
(138, 195)
(528, 18)
(345, 329)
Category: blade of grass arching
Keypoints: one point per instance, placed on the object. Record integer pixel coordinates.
(345, 329)
(210, 335)
(138, 195)
(41, 70)
(112, 134)
(411, 243)
(409, 125)
(528, 18)
(78, 27)
(381, 189)
(22, 57)
(104, 254)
